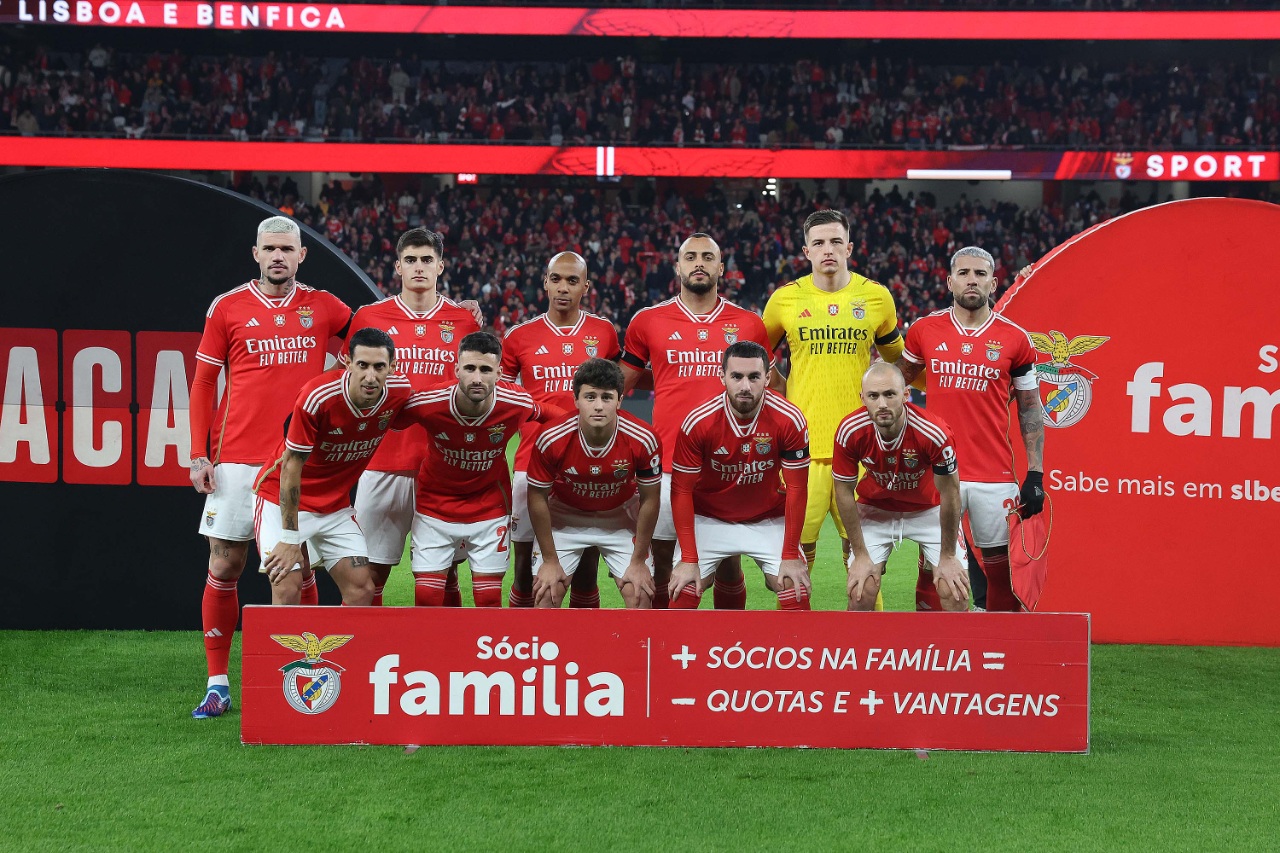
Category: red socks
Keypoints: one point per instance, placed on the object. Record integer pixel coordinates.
(926, 593)
(219, 611)
(377, 596)
(452, 595)
(730, 596)
(428, 590)
(310, 595)
(486, 590)
(519, 599)
(790, 599)
(1000, 597)
(688, 599)
(584, 600)
(661, 598)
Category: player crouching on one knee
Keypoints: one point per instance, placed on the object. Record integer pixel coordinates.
(595, 481)
(910, 490)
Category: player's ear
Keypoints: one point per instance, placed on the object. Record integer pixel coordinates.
(302, 254)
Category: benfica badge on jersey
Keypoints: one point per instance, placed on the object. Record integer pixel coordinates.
(703, 334)
(764, 443)
(993, 350)
(859, 309)
(966, 348)
(592, 345)
(620, 469)
(421, 330)
(497, 433)
(911, 458)
(446, 332)
(568, 349)
(312, 684)
(730, 334)
(279, 318)
(384, 420)
(305, 318)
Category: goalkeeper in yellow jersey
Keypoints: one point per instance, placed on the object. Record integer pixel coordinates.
(830, 319)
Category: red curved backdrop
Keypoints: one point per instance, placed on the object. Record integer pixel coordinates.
(1161, 456)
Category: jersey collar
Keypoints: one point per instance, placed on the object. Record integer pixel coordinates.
(735, 423)
(966, 332)
(469, 421)
(565, 331)
(355, 410)
(281, 302)
(414, 315)
(598, 452)
(701, 318)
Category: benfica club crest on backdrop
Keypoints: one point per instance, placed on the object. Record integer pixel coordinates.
(311, 685)
(1066, 389)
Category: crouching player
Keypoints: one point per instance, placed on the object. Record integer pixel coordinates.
(910, 490)
(584, 476)
(338, 421)
(739, 484)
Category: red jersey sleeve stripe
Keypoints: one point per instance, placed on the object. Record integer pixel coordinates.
(213, 305)
(540, 483)
(912, 357)
(787, 408)
(707, 408)
(684, 470)
(553, 434)
(208, 359)
(298, 448)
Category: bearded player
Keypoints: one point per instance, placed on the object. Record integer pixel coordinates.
(830, 320)
(270, 335)
(595, 482)
(683, 340)
(738, 484)
(426, 327)
(910, 490)
(542, 354)
(975, 361)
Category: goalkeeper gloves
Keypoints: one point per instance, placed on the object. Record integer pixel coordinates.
(1031, 496)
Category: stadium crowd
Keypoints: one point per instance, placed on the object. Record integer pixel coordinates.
(498, 240)
(867, 101)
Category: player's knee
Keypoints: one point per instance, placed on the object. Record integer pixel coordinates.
(227, 559)
(631, 596)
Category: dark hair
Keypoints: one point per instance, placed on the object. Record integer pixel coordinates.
(598, 373)
(481, 342)
(825, 217)
(744, 349)
(371, 337)
(420, 237)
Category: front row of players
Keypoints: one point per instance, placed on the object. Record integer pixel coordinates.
(739, 482)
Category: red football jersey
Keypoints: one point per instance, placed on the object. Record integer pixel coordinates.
(464, 476)
(740, 462)
(340, 438)
(970, 376)
(899, 473)
(595, 479)
(544, 356)
(426, 352)
(270, 348)
(684, 350)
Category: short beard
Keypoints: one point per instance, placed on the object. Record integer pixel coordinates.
(734, 403)
(981, 300)
(711, 284)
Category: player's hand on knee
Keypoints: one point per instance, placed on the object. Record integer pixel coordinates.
(681, 576)
(202, 476)
(283, 560)
(796, 572)
(550, 576)
(637, 575)
(951, 579)
(861, 573)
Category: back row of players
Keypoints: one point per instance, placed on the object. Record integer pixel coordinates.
(422, 410)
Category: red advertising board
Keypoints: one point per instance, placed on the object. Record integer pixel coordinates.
(471, 161)
(328, 675)
(1158, 371)
(782, 23)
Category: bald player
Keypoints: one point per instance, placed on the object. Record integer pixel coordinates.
(542, 354)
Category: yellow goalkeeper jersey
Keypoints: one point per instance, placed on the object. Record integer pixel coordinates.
(830, 336)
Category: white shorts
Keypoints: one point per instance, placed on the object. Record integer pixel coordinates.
(521, 529)
(988, 505)
(666, 527)
(329, 537)
(384, 508)
(438, 544)
(759, 540)
(228, 512)
(613, 533)
(883, 530)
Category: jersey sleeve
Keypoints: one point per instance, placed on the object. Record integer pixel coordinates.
(944, 456)
(214, 343)
(341, 316)
(635, 350)
(774, 311)
(688, 455)
(794, 448)
(611, 350)
(649, 465)
(1023, 370)
(509, 371)
(541, 468)
(844, 461)
(466, 323)
(359, 320)
(303, 427)
(913, 346)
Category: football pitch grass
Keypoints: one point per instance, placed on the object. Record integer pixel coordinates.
(99, 751)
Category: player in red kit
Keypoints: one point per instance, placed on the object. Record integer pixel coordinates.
(595, 482)
(464, 485)
(739, 484)
(270, 335)
(684, 340)
(542, 354)
(975, 361)
(426, 327)
(910, 490)
(304, 494)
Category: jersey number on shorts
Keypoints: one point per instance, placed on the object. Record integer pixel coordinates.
(502, 538)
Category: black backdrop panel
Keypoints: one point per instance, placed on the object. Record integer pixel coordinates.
(123, 252)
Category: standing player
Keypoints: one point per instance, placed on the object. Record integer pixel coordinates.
(426, 327)
(683, 339)
(975, 361)
(543, 354)
(738, 484)
(271, 336)
(464, 485)
(830, 320)
(583, 482)
(304, 495)
(910, 490)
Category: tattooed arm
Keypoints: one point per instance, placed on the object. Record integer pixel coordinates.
(286, 557)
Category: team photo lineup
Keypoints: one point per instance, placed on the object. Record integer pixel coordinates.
(409, 405)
